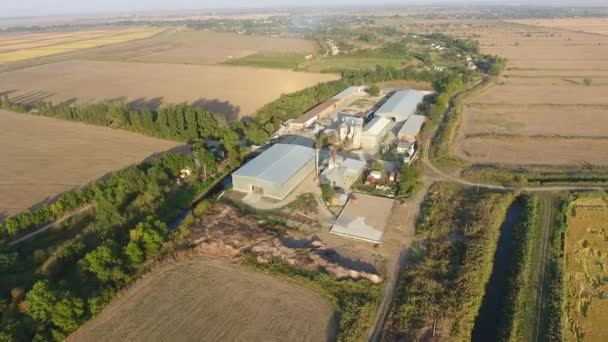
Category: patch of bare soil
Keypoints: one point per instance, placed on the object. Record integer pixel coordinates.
(227, 232)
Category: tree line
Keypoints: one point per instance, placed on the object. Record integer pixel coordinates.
(49, 290)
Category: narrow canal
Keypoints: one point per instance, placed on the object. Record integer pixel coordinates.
(488, 319)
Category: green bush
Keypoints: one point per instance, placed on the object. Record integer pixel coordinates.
(445, 282)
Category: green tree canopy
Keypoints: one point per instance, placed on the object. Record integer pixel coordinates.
(40, 301)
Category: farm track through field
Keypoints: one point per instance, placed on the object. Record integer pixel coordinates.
(51, 225)
(546, 229)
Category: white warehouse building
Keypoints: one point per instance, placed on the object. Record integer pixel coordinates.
(410, 129)
(375, 131)
(402, 104)
(276, 172)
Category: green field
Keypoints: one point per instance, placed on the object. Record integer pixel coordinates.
(353, 62)
(271, 60)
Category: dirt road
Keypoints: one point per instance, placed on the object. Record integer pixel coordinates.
(392, 277)
(545, 235)
(51, 225)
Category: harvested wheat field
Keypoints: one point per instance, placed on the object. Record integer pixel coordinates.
(590, 25)
(550, 106)
(42, 157)
(199, 47)
(234, 91)
(212, 300)
(586, 248)
(21, 46)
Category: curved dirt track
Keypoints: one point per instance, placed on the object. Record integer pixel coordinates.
(212, 300)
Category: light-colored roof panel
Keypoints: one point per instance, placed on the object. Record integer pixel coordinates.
(377, 126)
(402, 104)
(348, 92)
(316, 111)
(278, 163)
(412, 126)
(364, 219)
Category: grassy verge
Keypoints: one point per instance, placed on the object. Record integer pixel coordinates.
(271, 60)
(337, 64)
(441, 292)
(354, 301)
(441, 148)
(517, 322)
(508, 175)
(554, 309)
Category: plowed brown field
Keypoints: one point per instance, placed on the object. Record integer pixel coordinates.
(42, 157)
(543, 111)
(234, 91)
(212, 300)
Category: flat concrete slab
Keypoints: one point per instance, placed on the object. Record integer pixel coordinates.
(364, 218)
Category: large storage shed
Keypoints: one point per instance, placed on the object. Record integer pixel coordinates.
(375, 131)
(410, 129)
(308, 118)
(275, 172)
(401, 105)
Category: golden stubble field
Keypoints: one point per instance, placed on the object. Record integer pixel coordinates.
(234, 91)
(590, 25)
(42, 157)
(21, 46)
(212, 300)
(550, 108)
(586, 247)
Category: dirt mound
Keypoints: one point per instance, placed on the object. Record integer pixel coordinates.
(227, 232)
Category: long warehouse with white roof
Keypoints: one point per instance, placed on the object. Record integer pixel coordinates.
(401, 105)
(276, 172)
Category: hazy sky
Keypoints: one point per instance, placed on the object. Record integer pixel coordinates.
(51, 7)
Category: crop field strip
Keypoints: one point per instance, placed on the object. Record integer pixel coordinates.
(549, 107)
(586, 248)
(44, 157)
(17, 49)
(234, 91)
(230, 302)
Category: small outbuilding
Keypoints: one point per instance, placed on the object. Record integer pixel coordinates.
(343, 173)
(406, 147)
(276, 172)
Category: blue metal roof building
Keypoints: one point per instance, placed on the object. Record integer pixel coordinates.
(401, 105)
(276, 172)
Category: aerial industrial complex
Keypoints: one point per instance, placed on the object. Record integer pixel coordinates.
(354, 131)
(275, 172)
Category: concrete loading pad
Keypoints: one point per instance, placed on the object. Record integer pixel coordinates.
(364, 218)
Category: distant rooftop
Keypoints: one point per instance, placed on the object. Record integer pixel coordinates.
(278, 163)
(348, 92)
(316, 111)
